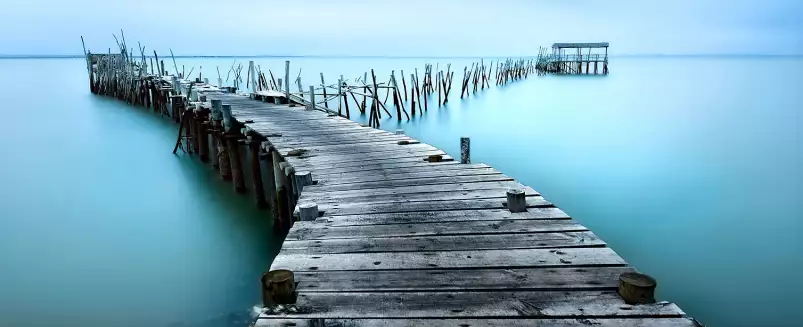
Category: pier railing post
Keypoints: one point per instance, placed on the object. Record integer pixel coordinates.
(287, 80)
(465, 150)
(516, 202)
(311, 98)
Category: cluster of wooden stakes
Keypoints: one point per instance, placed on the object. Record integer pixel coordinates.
(128, 76)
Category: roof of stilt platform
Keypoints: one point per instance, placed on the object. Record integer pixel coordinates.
(580, 45)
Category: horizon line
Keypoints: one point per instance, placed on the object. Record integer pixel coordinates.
(74, 56)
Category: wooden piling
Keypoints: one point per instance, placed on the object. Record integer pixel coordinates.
(236, 164)
(256, 171)
(465, 150)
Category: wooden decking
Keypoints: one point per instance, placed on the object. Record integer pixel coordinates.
(401, 241)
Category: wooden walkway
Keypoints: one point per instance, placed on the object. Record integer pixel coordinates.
(401, 241)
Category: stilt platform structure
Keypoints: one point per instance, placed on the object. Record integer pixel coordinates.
(383, 229)
(575, 59)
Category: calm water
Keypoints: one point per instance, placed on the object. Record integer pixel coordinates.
(689, 167)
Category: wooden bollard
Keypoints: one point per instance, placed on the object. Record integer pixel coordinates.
(465, 150)
(435, 158)
(301, 179)
(307, 211)
(516, 202)
(256, 172)
(236, 165)
(278, 287)
(636, 288)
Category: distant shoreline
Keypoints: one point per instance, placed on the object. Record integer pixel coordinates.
(76, 56)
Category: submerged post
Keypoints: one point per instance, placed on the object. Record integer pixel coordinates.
(465, 150)
(236, 164)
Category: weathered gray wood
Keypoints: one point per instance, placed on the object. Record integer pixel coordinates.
(417, 167)
(308, 211)
(469, 304)
(488, 193)
(550, 213)
(449, 259)
(359, 150)
(519, 279)
(412, 182)
(336, 158)
(465, 150)
(267, 321)
(319, 230)
(516, 201)
(443, 243)
(355, 208)
(407, 175)
(357, 166)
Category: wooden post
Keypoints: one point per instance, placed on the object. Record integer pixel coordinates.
(270, 174)
(287, 80)
(203, 137)
(256, 172)
(236, 164)
(311, 98)
(282, 190)
(465, 150)
(252, 76)
(636, 288)
(278, 287)
(301, 179)
(323, 86)
(516, 201)
(307, 211)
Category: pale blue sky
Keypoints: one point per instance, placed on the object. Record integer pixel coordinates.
(402, 28)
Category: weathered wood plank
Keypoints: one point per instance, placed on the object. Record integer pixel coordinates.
(355, 208)
(319, 229)
(266, 321)
(444, 243)
(407, 175)
(579, 304)
(595, 256)
(357, 166)
(358, 150)
(488, 193)
(411, 182)
(337, 159)
(524, 279)
(419, 167)
(413, 218)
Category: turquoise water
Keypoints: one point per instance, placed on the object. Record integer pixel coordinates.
(690, 168)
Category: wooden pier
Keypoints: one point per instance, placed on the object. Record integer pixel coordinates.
(590, 58)
(385, 230)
